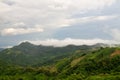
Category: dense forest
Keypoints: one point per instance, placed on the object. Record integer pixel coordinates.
(30, 62)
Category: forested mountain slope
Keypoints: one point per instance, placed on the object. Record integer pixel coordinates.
(27, 54)
(69, 63)
(1, 49)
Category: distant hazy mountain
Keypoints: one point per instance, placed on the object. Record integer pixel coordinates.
(30, 54)
(1, 49)
(31, 62)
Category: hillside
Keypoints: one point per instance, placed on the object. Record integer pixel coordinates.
(102, 64)
(27, 54)
(1, 49)
(72, 63)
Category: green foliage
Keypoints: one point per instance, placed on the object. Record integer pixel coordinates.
(27, 54)
(30, 62)
(104, 77)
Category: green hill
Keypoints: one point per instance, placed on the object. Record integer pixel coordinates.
(103, 64)
(27, 54)
(62, 63)
(1, 49)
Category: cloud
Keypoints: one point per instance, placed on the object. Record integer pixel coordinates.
(48, 13)
(20, 24)
(115, 33)
(81, 20)
(18, 31)
(80, 5)
(8, 2)
(19, 17)
(93, 18)
(4, 7)
(67, 41)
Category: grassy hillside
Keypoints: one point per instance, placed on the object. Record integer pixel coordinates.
(83, 63)
(27, 54)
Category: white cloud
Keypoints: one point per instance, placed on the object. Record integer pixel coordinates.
(93, 18)
(18, 31)
(68, 22)
(80, 5)
(115, 33)
(4, 7)
(48, 13)
(29, 16)
(67, 41)
(20, 24)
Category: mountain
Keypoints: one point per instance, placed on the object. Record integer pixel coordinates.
(99, 64)
(84, 63)
(27, 54)
(1, 49)
(101, 45)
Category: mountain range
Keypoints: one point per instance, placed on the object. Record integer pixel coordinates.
(27, 61)
(27, 54)
(1, 49)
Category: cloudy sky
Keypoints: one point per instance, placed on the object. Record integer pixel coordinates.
(59, 22)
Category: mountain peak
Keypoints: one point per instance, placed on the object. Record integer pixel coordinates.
(25, 43)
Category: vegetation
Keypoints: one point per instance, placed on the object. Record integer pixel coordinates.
(65, 63)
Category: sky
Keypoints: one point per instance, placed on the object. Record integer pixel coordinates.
(59, 22)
